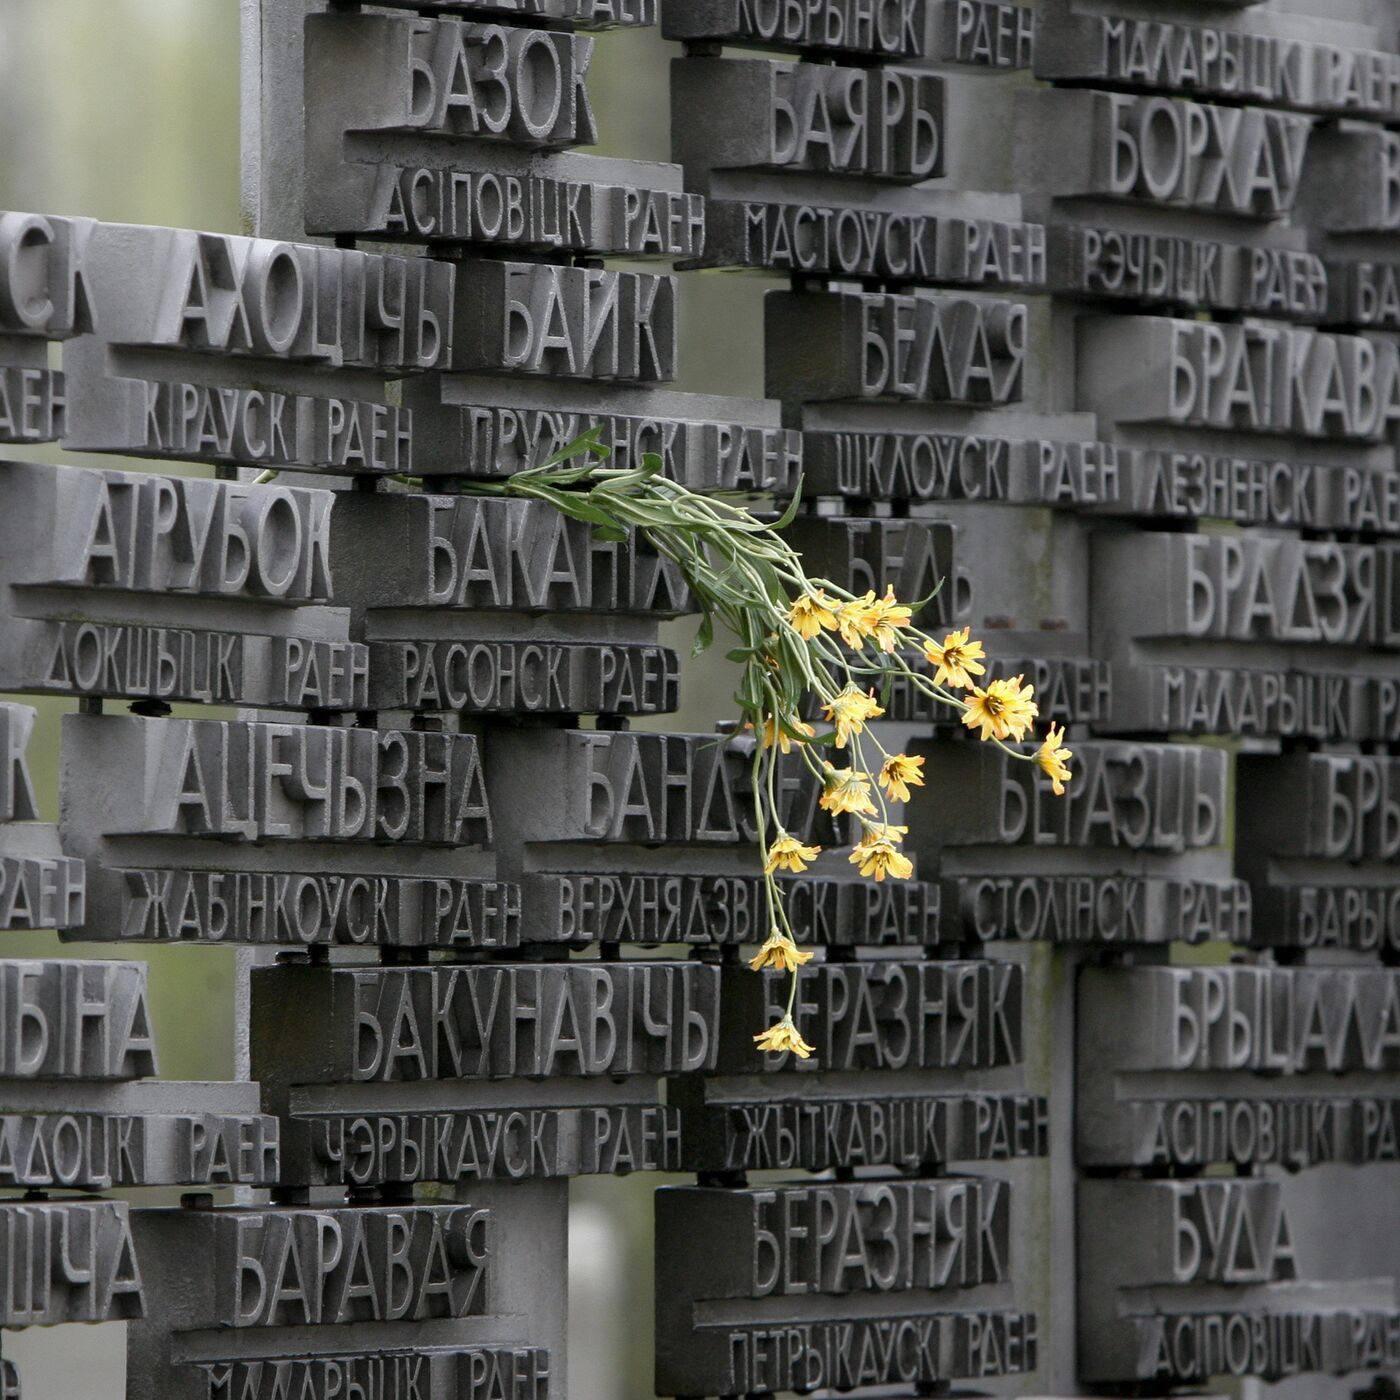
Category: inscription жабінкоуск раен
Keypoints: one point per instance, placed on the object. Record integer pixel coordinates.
(276, 834)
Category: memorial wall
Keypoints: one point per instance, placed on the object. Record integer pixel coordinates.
(1081, 353)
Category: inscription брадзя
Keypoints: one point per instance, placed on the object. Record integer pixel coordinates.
(225, 808)
(1223, 636)
(168, 589)
(1173, 1059)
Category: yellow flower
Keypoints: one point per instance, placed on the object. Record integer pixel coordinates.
(956, 660)
(781, 1037)
(1051, 758)
(898, 774)
(1004, 710)
(788, 853)
(780, 952)
(846, 790)
(857, 619)
(775, 733)
(811, 612)
(878, 831)
(879, 856)
(886, 617)
(849, 712)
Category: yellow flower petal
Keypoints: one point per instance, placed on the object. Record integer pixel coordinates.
(811, 613)
(957, 660)
(788, 853)
(846, 790)
(849, 712)
(898, 774)
(1004, 710)
(880, 857)
(782, 1037)
(780, 952)
(1052, 759)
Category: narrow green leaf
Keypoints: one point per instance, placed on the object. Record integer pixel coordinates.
(704, 635)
